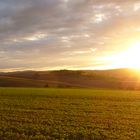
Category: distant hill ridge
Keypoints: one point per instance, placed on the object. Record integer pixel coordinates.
(115, 79)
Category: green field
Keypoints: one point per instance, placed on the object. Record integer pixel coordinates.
(71, 114)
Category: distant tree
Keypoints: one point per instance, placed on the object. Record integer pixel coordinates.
(46, 85)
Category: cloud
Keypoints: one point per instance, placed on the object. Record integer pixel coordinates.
(35, 33)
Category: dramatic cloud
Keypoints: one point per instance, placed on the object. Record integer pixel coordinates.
(49, 34)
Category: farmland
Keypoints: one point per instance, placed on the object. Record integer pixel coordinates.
(111, 79)
(83, 114)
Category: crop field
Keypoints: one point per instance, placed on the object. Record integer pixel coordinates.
(69, 114)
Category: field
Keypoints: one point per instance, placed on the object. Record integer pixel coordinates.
(71, 114)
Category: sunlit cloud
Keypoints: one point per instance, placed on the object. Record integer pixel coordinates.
(99, 18)
(48, 34)
(137, 6)
(35, 37)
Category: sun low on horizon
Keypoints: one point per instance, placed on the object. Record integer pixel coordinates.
(68, 34)
(125, 58)
(131, 56)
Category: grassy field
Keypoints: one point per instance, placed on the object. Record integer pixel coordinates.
(72, 114)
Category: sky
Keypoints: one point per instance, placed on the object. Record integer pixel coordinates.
(66, 34)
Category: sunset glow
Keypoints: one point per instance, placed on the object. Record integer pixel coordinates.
(68, 34)
(128, 58)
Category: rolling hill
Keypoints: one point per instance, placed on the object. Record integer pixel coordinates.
(115, 79)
